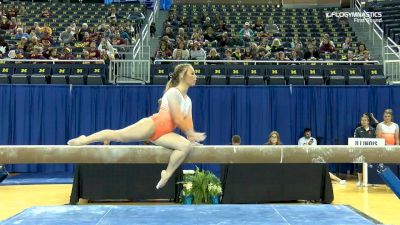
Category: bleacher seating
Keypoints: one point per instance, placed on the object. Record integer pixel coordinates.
(78, 74)
(390, 16)
(224, 74)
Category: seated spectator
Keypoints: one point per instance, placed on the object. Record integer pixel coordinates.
(46, 28)
(221, 27)
(163, 52)
(258, 26)
(181, 49)
(237, 54)
(105, 47)
(23, 44)
(117, 40)
(264, 44)
(235, 41)
(347, 43)
(3, 47)
(223, 40)
(209, 36)
(93, 51)
(13, 24)
(350, 56)
(66, 54)
(311, 53)
(213, 55)
(307, 139)
(67, 36)
(18, 54)
(85, 56)
(136, 15)
(20, 33)
(263, 54)
(246, 33)
(169, 33)
(294, 56)
(295, 41)
(236, 140)
(197, 52)
(207, 23)
(365, 57)
(253, 50)
(46, 40)
(21, 10)
(153, 29)
(81, 32)
(326, 45)
(276, 45)
(204, 16)
(113, 14)
(46, 13)
(38, 32)
(33, 28)
(4, 23)
(271, 27)
(360, 49)
(299, 49)
(53, 54)
(32, 43)
(228, 55)
(247, 54)
(281, 56)
(12, 12)
(274, 138)
(37, 53)
(182, 34)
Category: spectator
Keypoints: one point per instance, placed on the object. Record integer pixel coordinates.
(38, 32)
(299, 50)
(388, 129)
(236, 139)
(169, 33)
(263, 54)
(4, 24)
(274, 138)
(253, 50)
(223, 40)
(271, 27)
(31, 45)
(360, 50)
(209, 36)
(246, 33)
(46, 13)
(165, 50)
(136, 15)
(363, 131)
(124, 35)
(295, 42)
(46, 40)
(117, 40)
(93, 51)
(235, 41)
(46, 28)
(53, 54)
(276, 46)
(311, 53)
(326, 45)
(237, 54)
(213, 55)
(37, 53)
(365, 57)
(13, 24)
(12, 12)
(258, 26)
(153, 29)
(81, 32)
(20, 33)
(228, 55)
(173, 20)
(294, 56)
(3, 47)
(85, 56)
(67, 36)
(307, 139)
(281, 56)
(347, 44)
(33, 28)
(207, 23)
(23, 44)
(264, 44)
(181, 49)
(182, 34)
(247, 54)
(221, 27)
(113, 14)
(197, 52)
(106, 49)
(349, 56)
(66, 54)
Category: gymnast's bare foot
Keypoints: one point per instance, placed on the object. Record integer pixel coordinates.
(77, 141)
(163, 180)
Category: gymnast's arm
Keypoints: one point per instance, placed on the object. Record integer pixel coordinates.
(379, 131)
(185, 124)
(396, 134)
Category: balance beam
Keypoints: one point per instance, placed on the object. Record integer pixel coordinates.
(14, 154)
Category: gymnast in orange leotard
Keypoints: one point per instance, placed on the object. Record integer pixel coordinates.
(388, 129)
(175, 111)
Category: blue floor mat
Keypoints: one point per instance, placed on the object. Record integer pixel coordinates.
(190, 214)
(39, 178)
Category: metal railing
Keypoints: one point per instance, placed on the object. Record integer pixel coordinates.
(134, 66)
(258, 62)
(52, 61)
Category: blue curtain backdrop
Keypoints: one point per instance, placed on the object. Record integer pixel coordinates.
(50, 115)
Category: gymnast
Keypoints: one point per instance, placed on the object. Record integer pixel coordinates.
(175, 111)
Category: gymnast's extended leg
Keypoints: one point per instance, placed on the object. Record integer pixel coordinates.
(138, 131)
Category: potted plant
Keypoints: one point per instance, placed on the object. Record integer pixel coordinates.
(187, 196)
(200, 182)
(214, 190)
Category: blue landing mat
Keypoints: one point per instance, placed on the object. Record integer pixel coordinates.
(39, 178)
(190, 214)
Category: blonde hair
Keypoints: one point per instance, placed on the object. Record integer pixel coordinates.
(389, 112)
(277, 135)
(175, 76)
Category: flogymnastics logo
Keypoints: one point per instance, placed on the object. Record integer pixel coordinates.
(359, 17)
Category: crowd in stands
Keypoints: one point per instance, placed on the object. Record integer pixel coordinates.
(256, 40)
(43, 40)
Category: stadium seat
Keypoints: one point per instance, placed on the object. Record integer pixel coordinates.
(40, 74)
(96, 75)
(218, 75)
(275, 75)
(313, 75)
(201, 72)
(236, 74)
(255, 75)
(294, 75)
(334, 76)
(78, 75)
(353, 75)
(5, 73)
(374, 74)
(160, 73)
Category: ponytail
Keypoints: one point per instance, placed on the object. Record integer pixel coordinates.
(175, 76)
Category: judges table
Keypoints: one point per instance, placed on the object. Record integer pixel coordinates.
(260, 183)
(134, 182)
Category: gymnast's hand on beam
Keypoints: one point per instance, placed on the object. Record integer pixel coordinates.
(196, 136)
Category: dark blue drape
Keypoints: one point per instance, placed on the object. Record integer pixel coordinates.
(47, 115)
